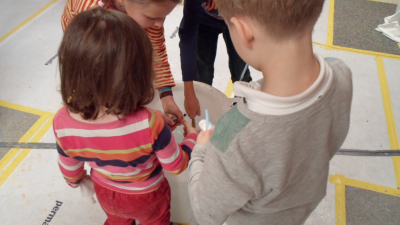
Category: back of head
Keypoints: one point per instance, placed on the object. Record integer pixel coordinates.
(148, 1)
(105, 61)
(282, 19)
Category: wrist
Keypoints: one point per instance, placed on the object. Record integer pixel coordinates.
(165, 91)
(189, 88)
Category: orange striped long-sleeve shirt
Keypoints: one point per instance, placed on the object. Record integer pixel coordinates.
(161, 66)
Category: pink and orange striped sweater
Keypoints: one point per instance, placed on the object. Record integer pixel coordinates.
(127, 155)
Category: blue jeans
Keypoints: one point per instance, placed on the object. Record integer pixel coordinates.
(207, 50)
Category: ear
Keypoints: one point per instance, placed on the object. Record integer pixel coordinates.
(244, 30)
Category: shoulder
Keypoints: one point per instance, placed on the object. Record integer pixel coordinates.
(339, 68)
(228, 127)
(342, 75)
(155, 120)
(61, 117)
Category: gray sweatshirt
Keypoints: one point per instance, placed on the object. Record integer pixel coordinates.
(270, 169)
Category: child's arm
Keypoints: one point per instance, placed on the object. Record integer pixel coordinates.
(164, 79)
(162, 69)
(173, 158)
(219, 184)
(72, 169)
(73, 8)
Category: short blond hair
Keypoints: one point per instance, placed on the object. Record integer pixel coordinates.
(282, 18)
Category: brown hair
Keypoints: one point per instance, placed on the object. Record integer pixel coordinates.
(154, 1)
(105, 61)
(281, 18)
(147, 1)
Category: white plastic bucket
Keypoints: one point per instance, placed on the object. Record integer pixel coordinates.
(217, 104)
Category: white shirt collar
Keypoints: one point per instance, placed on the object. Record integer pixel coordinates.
(264, 103)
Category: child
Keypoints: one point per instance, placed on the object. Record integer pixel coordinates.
(198, 32)
(150, 15)
(267, 161)
(106, 80)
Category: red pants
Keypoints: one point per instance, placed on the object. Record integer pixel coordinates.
(122, 209)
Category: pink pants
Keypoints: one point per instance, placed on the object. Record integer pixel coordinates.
(123, 209)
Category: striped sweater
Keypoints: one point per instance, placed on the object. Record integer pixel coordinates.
(161, 66)
(126, 155)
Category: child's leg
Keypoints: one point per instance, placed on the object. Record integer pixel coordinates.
(107, 200)
(161, 198)
(206, 51)
(149, 209)
(236, 64)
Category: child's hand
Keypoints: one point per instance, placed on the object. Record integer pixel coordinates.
(189, 129)
(204, 137)
(168, 119)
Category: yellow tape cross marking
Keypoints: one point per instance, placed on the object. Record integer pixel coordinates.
(16, 155)
(48, 119)
(27, 136)
(22, 108)
(354, 50)
(341, 182)
(26, 21)
(340, 199)
(329, 42)
(229, 89)
(394, 3)
(331, 21)
(391, 125)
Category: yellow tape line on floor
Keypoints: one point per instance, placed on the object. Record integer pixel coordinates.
(331, 18)
(359, 51)
(391, 125)
(22, 108)
(329, 42)
(341, 182)
(229, 89)
(12, 162)
(28, 135)
(394, 3)
(26, 21)
(340, 199)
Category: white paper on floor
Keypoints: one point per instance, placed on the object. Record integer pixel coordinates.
(391, 28)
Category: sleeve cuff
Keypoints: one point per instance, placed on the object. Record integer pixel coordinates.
(191, 136)
(164, 92)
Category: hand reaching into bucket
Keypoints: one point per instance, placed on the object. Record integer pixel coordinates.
(171, 120)
(170, 107)
(189, 129)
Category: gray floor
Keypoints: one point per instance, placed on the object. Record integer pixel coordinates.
(355, 23)
(14, 124)
(364, 207)
(26, 81)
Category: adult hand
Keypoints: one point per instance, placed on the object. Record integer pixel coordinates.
(168, 119)
(170, 107)
(192, 105)
(204, 137)
(189, 129)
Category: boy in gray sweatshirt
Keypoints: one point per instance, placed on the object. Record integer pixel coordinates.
(267, 160)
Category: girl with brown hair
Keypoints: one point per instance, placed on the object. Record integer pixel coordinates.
(150, 15)
(106, 81)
